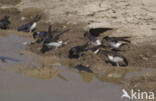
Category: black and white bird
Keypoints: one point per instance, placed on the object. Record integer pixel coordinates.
(91, 34)
(83, 68)
(115, 43)
(53, 42)
(78, 51)
(4, 23)
(92, 39)
(31, 26)
(42, 35)
(117, 60)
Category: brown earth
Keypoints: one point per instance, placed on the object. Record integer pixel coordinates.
(9, 2)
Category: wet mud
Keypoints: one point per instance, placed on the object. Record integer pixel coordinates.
(9, 2)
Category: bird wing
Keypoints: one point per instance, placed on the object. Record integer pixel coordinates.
(49, 32)
(24, 27)
(98, 31)
(58, 35)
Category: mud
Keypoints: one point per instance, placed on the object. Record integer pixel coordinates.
(9, 2)
(144, 83)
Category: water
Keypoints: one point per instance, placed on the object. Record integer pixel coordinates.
(10, 47)
(17, 87)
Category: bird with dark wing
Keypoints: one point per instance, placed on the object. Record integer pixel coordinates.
(115, 43)
(31, 26)
(4, 23)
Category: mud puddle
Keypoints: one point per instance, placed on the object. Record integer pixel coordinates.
(61, 84)
(138, 73)
(16, 87)
(11, 46)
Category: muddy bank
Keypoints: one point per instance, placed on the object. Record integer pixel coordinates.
(138, 55)
(9, 2)
(146, 82)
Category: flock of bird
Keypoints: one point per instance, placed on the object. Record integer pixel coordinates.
(110, 46)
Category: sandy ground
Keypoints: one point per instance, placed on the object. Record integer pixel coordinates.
(136, 19)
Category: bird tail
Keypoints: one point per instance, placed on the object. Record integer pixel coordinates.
(126, 40)
(125, 62)
(124, 44)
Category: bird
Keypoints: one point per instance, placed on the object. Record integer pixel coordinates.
(78, 51)
(107, 38)
(92, 39)
(31, 26)
(117, 60)
(83, 68)
(50, 35)
(115, 43)
(42, 35)
(96, 31)
(53, 41)
(4, 22)
(50, 45)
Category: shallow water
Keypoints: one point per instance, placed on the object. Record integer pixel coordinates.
(16, 87)
(137, 73)
(11, 46)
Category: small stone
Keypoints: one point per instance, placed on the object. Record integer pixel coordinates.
(23, 18)
(145, 58)
(21, 53)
